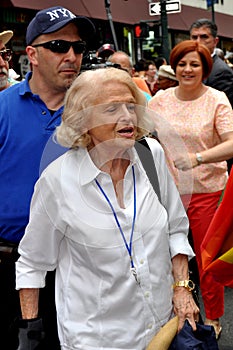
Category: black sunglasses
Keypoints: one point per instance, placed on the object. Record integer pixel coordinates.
(63, 46)
(6, 54)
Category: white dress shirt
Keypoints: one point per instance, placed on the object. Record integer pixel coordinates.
(72, 229)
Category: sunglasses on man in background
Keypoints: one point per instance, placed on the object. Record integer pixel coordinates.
(6, 54)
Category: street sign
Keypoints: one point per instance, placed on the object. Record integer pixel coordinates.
(154, 8)
(171, 7)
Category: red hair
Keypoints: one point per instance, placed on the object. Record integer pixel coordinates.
(186, 46)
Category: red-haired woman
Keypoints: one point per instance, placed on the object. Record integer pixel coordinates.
(196, 130)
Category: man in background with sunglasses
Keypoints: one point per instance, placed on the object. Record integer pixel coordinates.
(5, 57)
(29, 113)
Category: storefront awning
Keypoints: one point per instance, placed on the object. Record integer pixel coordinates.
(129, 11)
(132, 11)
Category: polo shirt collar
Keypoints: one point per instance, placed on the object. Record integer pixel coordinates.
(24, 86)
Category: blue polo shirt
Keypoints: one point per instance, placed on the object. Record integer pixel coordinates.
(26, 126)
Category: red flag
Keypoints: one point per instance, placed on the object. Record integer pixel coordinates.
(217, 246)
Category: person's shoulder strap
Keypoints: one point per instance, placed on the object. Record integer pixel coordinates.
(148, 163)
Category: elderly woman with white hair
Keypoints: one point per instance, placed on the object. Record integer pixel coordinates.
(117, 249)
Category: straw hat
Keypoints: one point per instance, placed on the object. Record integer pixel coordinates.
(166, 71)
(162, 340)
(6, 36)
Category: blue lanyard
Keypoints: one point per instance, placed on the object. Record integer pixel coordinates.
(128, 246)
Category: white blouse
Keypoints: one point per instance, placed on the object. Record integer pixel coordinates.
(72, 229)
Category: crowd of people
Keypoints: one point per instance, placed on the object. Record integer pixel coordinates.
(92, 254)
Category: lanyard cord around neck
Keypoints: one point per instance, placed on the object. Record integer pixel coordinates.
(128, 246)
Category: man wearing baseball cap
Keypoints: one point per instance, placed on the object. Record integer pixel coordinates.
(105, 51)
(5, 57)
(29, 113)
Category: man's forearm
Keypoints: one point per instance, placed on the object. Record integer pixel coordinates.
(29, 299)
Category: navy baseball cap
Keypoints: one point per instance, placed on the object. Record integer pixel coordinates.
(54, 18)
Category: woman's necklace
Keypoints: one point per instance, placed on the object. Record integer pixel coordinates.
(129, 245)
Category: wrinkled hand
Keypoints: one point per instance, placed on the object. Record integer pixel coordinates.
(185, 307)
(185, 163)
